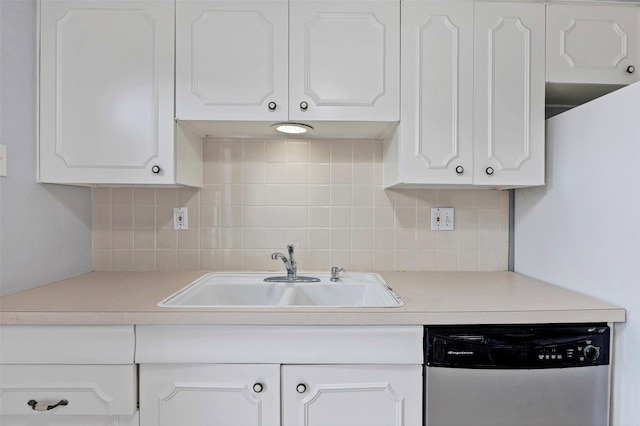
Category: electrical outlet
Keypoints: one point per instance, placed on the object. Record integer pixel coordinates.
(180, 219)
(442, 219)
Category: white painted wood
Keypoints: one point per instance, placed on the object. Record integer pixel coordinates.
(509, 94)
(280, 344)
(194, 395)
(106, 92)
(231, 60)
(436, 130)
(189, 158)
(344, 60)
(593, 43)
(42, 419)
(66, 344)
(105, 390)
(343, 395)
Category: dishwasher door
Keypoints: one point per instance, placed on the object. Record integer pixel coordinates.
(525, 376)
(473, 397)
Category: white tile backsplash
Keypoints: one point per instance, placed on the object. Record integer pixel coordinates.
(325, 196)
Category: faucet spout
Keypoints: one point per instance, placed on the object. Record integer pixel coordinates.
(289, 263)
(292, 268)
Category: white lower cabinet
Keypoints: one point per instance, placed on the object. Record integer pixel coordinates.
(273, 395)
(280, 375)
(352, 395)
(197, 394)
(67, 375)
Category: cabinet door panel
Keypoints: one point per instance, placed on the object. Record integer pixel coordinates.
(437, 92)
(352, 395)
(106, 92)
(592, 43)
(231, 60)
(344, 60)
(209, 395)
(509, 94)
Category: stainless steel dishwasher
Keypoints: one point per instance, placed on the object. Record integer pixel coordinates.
(517, 375)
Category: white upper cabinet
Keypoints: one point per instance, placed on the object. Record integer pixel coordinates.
(472, 96)
(436, 129)
(509, 94)
(232, 60)
(300, 60)
(344, 61)
(106, 93)
(598, 44)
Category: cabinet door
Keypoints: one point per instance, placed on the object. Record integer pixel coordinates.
(509, 94)
(344, 60)
(436, 130)
(106, 92)
(352, 395)
(231, 60)
(593, 44)
(209, 395)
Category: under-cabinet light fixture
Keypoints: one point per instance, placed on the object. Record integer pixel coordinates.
(292, 128)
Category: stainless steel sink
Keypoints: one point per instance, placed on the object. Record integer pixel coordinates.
(249, 290)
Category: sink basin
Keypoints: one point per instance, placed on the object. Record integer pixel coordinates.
(363, 290)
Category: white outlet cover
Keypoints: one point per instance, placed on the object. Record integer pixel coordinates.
(180, 219)
(442, 219)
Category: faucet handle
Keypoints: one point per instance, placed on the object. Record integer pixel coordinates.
(335, 273)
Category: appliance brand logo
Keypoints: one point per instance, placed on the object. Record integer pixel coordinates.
(458, 353)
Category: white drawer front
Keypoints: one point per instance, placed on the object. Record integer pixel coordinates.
(89, 389)
(66, 344)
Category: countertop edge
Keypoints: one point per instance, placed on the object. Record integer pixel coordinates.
(315, 318)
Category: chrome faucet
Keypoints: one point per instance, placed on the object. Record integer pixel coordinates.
(290, 263)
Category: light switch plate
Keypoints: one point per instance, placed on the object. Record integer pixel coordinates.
(3, 160)
(442, 219)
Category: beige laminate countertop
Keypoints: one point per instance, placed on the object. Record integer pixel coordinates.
(101, 298)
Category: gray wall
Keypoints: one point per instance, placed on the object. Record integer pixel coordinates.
(45, 230)
(581, 230)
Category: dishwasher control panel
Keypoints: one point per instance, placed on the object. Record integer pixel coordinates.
(518, 347)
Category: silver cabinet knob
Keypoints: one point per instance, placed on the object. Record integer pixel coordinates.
(304, 105)
(460, 170)
(272, 106)
(631, 69)
(258, 387)
(489, 170)
(301, 388)
(155, 169)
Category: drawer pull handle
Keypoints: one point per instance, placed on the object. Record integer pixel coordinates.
(44, 407)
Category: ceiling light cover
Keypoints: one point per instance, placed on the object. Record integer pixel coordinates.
(292, 128)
